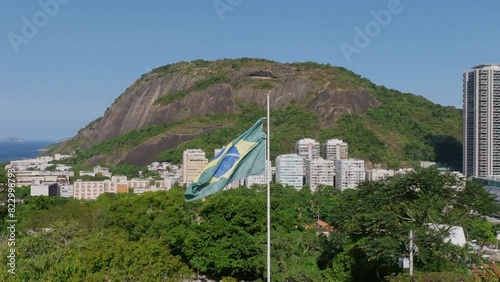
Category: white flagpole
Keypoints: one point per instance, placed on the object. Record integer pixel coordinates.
(268, 164)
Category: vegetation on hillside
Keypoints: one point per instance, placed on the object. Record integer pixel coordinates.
(264, 85)
(401, 131)
(415, 128)
(116, 145)
(403, 140)
(197, 86)
(288, 125)
(160, 237)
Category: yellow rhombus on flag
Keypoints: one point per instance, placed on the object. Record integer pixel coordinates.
(242, 157)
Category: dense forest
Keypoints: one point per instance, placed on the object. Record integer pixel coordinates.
(159, 237)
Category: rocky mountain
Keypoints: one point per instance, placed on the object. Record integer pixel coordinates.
(205, 104)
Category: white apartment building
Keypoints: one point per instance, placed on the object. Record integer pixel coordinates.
(349, 173)
(93, 189)
(378, 174)
(163, 166)
(104, 171)
(63, 167)
(32, 162)
(335, 149)
(86, 173)
(40, 163)
(308, 149)
(481, 130)
(65, 190)
(45, 189)
(136, 183)
(167, 171)
(175, 176)
(193, 163)
(290, 170)
(319, 172)
(58, 157)
(261, 179)
(28, 177)
(90, 190)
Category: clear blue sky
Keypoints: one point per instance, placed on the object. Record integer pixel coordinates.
(86, 53)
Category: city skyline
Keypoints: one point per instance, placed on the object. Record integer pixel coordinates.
(56, 56)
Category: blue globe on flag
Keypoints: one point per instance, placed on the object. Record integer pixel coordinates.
(228, 162)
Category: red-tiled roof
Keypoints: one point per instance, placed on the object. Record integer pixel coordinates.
(322, 223)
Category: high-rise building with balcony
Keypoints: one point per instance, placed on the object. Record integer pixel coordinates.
(349, 173)
(481, 118)
(335, 149)
(289, 170)
(319, 172)
(193, 163)
(307, 148)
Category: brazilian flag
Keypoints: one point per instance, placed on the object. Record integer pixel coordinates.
(243, 157)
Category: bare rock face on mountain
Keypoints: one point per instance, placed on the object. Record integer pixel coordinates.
(137, 107)
(189, 89)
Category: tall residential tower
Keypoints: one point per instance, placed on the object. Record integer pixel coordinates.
(335, 149)
(289, 170)
(482, 121)
(193, 163)
(349, 173)
(307, 148)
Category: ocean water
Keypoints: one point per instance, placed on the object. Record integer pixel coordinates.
(21, 150)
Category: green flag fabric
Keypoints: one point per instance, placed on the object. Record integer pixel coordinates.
(242, 157)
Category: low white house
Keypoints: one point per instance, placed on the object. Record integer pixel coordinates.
(456, 236)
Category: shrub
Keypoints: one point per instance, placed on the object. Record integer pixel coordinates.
(264, 85)
(197, 86)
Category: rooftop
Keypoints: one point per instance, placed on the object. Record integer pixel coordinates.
(334, 141)
(487, 66)
(306, 141)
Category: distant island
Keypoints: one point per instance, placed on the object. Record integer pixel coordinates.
(13, 139)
